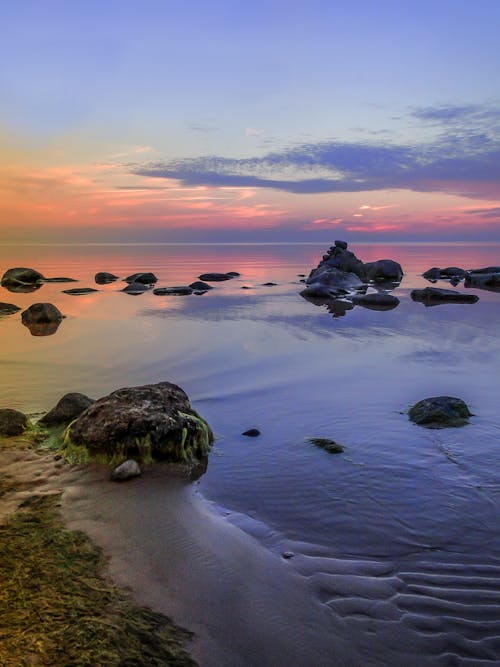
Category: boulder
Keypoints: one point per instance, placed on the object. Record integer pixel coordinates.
(12, 422)
(200, 286)
(68, 408)
(215, 277)
(482, 280)
(179, 290)
(440, 412)
(431, 296)
(450, 272)
(376, 301)
(8, 309)
(432, 274)
(79, 291)
(384, 270)
(486, 269)
(21, 276)
(127, 470)
(103, 278)
(340, 282)
(151, 422)
(144, 278)
(42, 319)
(233, 274)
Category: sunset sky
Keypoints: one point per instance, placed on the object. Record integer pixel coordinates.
(253, 121)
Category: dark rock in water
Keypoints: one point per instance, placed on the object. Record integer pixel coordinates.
(135, 288)
(337, 307)
(342, 260)
(179, 290)
(200, 286)
(440, 412)
(341, 244)
(376, 301)
(252, 432)
(21, 276)
(287, 555)
(12, 422)
(328, 445)
(484, 280)
(384, 270)
(233, 274)
(301, 275)
(42, 319)
(103, 278)
(60, 279)
(269, 284)
(78, 291)
(144, 278)
(431, 296)
(151, 422)
(215, 277)
(8, 309)
(127, 470)
(486, 269)
(327, 281)
(247, 287)
(68, 408)
(432, 274)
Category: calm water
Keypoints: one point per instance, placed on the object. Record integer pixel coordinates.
(425, 501)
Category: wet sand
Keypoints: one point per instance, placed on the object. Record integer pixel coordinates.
(246, 604)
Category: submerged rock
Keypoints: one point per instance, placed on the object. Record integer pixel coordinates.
(60, 279)
(448, 273)
(69, 407)
(103, 278)
(151, 422)
(328, 445)
(79, 291)
(440, 412)
(251, 432)
(127, 470)
(21, 276)
(215, 277)
(179, 290)
(200, 286)
(376, 301)
(431, 296)
(136, 288)
(8, 309)
(42, 319)
(12, 422)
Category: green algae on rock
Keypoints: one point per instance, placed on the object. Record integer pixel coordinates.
(149, 423)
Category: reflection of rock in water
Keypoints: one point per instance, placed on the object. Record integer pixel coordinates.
(42, 319)
(482, 279)
(22, 289)
(376, 301)
(336, 307)
(433, 296)
(8, 309)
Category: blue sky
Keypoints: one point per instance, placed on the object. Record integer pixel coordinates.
(201, 94)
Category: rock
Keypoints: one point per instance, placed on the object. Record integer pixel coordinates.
(328, 445)
(486, 269)
(180, 290)
(143, 278)
(78, 291)
(60, 279)
(440, 412)
(444, 274)
(151, 422)
(341, 244)
(483, 280)
(21, 276)
(135, 288)
(287, 555)
(200, 286)
(8, 309)
(384, 270)
(69, 407)
(126, 470)
(42, 319)
(269, 284)
(337, 281)
(233, 274)
(376, 301)
(12, 422)
(431, 296)
(215, 277)
(103, 278)
(432, 274)
(252, 432)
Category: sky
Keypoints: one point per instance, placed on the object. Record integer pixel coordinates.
(230, 120)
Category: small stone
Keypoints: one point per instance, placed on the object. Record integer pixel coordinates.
(252, 432)
(269, 284)
(144, 278)
(178, 290)
(78, 291)
(233, 274)
(328, 445)
(215, 277)
(200, 286)
(287, 555)
(135, 288)
(127, 470)
(103, 278)
(341, 244)
(8, 309)
(69, 407)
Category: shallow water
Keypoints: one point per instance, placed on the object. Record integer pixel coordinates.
(420, 506)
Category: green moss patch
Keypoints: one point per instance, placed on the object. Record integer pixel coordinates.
(57, 609)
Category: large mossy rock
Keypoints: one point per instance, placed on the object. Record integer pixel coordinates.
(154, 422)
(12, 422)
(68, 408)
(440, 412)
(21, 276)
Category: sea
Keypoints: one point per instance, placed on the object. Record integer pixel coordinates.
(256, 355)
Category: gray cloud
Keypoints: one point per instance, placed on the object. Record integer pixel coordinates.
(464, 158)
